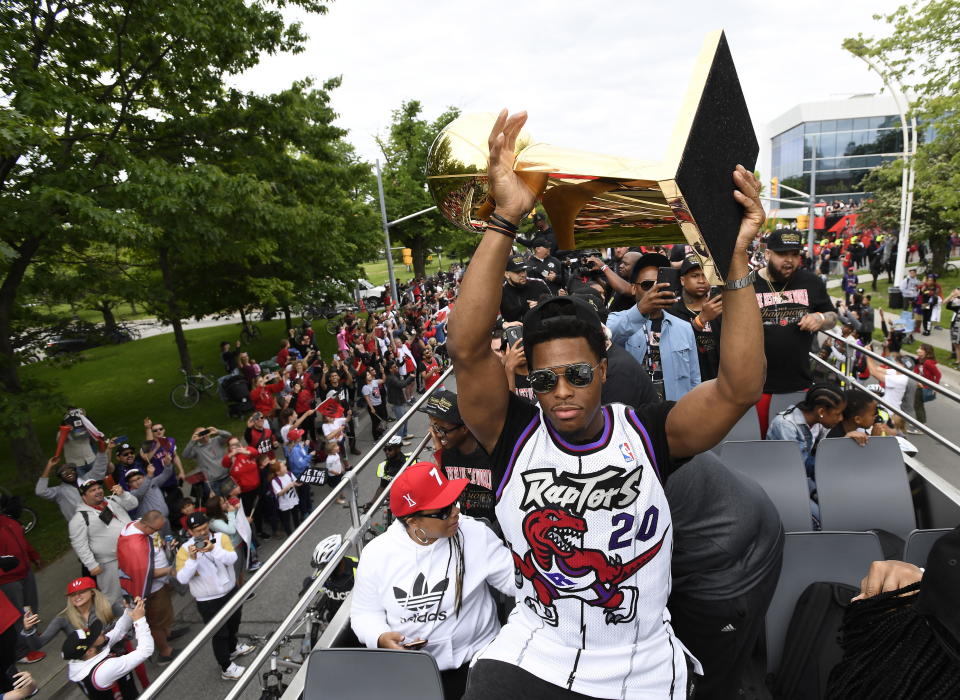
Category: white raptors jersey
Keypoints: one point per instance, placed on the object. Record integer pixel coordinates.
(590, 531)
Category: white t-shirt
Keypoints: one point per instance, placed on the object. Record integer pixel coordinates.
(333, 426)
(334, 465)
(894, 387)
(290, 499)
(373, 391)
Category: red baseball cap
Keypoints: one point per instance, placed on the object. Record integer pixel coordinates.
(84, 583)
(294, 434)
(423, 486)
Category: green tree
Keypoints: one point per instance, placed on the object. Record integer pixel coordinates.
(404, 182)
(922, 54)
(94, 90)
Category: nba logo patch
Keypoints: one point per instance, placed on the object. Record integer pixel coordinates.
(627, 453)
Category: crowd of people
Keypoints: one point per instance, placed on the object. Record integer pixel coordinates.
(571, 474)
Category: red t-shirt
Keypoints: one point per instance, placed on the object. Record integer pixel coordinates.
(283, 356)
(263, 397)
(303, 401)
(243, 469)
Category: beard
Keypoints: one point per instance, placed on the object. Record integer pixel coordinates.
(776, 275)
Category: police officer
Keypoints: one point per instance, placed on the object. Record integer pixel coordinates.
(542, 265)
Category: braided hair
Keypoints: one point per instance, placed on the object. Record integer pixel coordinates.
(890, 652)
(821, 396)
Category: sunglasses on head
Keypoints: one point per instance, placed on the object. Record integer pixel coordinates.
(578, 374)
(443, 513)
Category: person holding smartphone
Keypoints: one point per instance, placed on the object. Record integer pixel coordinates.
(702, 306)
(425, 582)
(663, 343)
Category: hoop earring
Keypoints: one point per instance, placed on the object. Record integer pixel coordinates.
(421, 540)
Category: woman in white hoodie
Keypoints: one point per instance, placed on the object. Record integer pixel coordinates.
(423, 584)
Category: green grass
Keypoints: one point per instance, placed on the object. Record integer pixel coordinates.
(376, 272)
(124, 312)
(110, 383)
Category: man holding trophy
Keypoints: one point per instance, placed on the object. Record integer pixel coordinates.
(579, 486)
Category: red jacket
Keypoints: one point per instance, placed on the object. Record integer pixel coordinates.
(283, 356)
(929, 370)
(243, 469)
(13, 543)
(263, 397)
(303, 401)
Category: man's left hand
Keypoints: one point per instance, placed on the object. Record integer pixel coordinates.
(811, 322)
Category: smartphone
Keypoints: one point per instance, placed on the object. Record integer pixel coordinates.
(671, 276)
(511, 334)
(415, 644)
(715, 292)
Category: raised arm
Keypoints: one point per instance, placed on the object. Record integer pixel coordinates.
(481, 384)
(706, 414)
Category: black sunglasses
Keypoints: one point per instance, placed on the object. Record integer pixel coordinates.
(647, 285)
(578, 374)
(443, 513)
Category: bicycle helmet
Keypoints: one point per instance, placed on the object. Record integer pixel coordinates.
(394, 441)
(875, 388)
(325, 549)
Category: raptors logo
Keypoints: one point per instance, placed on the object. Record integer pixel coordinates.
(558, 567)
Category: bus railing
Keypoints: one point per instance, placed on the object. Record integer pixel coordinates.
(347, 487)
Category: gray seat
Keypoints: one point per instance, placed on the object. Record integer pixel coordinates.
(747, 428)
(864, 488)
(777, 467)
(808, 557)
(781, 402)
(919, 543)
(360, 674)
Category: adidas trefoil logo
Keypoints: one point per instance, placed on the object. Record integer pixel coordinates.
(422, 596)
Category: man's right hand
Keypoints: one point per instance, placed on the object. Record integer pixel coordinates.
(513, 197)
(138, 611)
(192, 551)
(96, 571)
(711, 309)
(51, 463)
(390, 640)
(657, 299)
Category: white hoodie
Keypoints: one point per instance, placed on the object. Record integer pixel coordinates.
(405, 587)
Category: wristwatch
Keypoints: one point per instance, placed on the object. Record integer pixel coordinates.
(742, 282)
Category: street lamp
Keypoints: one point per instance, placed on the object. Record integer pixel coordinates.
(386, 232)
(906, 188)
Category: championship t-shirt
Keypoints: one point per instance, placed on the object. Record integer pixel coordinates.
(787, 347)
(590, 531)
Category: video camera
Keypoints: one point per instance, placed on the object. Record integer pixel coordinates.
(576, 262)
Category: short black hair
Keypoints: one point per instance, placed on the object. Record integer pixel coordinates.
(564, 327)
(857, 400)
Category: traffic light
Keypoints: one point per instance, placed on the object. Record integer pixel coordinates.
(803, 222)
(775, 187)
(407, 256)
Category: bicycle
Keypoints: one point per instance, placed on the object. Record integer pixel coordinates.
(249, 332)
(13, 508)
(949, 270)
(335, 319)
(187, 395)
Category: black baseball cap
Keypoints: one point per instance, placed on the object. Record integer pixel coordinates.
(516, 263)
(442, 404)
(938, 588)
(785, 240)
(593, 298)
(690, 262)
(540, 242)
(79, 641)
(560, 306)
(196, 519)
(648, 260)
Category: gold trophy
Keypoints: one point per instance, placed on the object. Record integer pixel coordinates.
(598, 201)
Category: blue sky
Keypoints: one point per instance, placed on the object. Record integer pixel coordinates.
(609, 81)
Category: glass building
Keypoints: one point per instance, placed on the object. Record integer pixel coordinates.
(847, 142)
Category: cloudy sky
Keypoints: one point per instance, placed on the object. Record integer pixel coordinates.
(606, 80)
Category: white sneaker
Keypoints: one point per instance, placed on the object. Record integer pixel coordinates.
(233, 672)
(241, 650)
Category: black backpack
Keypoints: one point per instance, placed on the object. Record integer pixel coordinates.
(812, 648)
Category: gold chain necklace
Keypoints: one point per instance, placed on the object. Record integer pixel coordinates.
(779, 296)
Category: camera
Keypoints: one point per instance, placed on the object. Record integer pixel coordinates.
(576, 262)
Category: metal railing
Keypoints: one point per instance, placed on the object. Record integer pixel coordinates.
(347, 484)
(851, 348)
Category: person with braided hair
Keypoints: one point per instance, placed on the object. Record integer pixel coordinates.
(901, 636)
(806, 423)
(425, 582)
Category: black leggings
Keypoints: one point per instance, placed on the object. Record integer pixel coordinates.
(290, 519)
